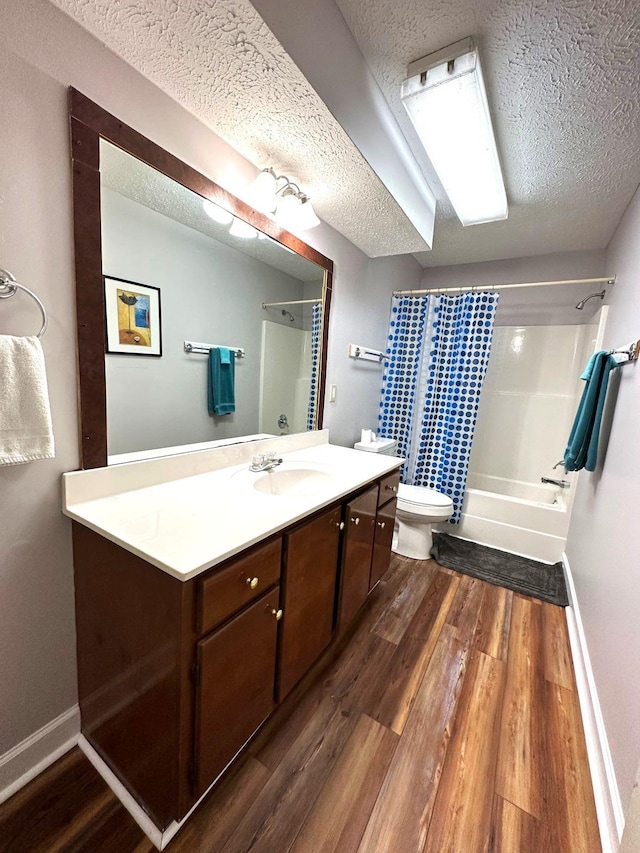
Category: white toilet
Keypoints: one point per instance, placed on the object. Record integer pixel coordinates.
(418, 508)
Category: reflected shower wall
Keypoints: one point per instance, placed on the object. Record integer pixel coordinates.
(285, 379)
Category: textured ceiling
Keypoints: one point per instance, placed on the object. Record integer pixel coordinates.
(221, 62)
(133, 179)
(563, 78)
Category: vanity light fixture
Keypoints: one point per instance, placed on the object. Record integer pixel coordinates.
(279, 196)
(217, 213)
(446, 100)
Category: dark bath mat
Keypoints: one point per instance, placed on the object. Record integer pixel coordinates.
(520, 574)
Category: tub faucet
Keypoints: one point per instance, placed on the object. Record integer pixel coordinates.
(563, 484)
(264, 461)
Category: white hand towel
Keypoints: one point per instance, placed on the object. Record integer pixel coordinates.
(25, 418)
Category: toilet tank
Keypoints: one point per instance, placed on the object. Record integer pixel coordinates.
(386, 446)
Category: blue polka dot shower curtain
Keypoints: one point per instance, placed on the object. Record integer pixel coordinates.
(437, 356)
(316, 322)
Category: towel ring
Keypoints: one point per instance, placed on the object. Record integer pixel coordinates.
(9, 286)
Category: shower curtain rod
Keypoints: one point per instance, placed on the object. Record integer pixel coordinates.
(291, 302)
(479, 287)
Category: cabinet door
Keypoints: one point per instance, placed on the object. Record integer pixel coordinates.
(234, 696)
(382, 542)
(310, 572)
(360, 519)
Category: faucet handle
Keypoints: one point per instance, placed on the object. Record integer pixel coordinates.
(257, 459)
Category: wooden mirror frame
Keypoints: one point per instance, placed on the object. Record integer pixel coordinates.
(89, 123)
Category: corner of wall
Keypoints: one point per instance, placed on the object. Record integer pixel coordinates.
(35, 753)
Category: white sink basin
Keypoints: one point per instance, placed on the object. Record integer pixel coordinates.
(291, 480)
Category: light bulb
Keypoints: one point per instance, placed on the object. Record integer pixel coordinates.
(239, 228)
(217, 213)
(262, 192)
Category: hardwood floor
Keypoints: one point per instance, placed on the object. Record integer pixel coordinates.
(446, 722)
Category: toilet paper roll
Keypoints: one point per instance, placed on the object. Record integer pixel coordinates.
(365, 436)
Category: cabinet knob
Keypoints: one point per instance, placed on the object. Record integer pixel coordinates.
(392, 488)
(356, 519)
(340, 525)
(252, 582)
(277, 614)
(381, 524)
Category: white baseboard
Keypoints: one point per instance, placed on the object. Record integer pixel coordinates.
(605, 787)
(34, 754)
(130, 803)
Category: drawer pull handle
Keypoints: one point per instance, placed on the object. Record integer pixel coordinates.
(340, 525)
(252, 582)
(355, 520)
(392, 488)
(277, 614)
(381, 524)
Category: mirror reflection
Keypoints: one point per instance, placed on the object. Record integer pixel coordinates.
(178, 282)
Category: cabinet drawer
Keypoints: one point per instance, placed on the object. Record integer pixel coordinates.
(239, 581)
(388, 487)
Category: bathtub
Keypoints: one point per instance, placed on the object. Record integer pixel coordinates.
(530, 519)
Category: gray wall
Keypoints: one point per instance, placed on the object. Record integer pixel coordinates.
(209, 293)
(604, 536)
(42, 53)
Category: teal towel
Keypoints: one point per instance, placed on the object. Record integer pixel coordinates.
(221, 382)
(582, 449)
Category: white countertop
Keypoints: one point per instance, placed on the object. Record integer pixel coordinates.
(189, 512)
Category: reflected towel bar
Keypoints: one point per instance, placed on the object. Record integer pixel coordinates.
(193, 346)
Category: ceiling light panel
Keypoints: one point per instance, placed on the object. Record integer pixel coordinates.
(448, 107)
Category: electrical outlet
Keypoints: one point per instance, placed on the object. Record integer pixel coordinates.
(332, 393)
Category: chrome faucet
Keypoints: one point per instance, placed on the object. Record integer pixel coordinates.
(264, 461)
(563, 484)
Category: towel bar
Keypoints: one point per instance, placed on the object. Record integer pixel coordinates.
(193, 346)
(9, 286)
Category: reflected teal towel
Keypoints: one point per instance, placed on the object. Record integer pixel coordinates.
(221, 381)
(582, 449)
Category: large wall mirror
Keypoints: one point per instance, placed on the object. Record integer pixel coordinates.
(160, 280)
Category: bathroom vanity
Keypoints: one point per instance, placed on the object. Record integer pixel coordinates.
(205, 592)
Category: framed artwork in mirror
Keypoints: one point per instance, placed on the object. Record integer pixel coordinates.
(132, 317)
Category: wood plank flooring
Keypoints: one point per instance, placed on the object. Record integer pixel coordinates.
(446, 722)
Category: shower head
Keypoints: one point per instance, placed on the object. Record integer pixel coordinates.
(288, 314)
(583, 302)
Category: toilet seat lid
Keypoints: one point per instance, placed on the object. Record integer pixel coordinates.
(423, 496)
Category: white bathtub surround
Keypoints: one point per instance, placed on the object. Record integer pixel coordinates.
(605, 788)
(529, 519)
(528, 403)
(529, 399)
(187, 513)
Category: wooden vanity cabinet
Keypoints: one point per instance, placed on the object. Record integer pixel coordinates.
(235, 663)
(385, 520)
(357, 549)
(235, 679)
(308, 595)
(175, 676)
